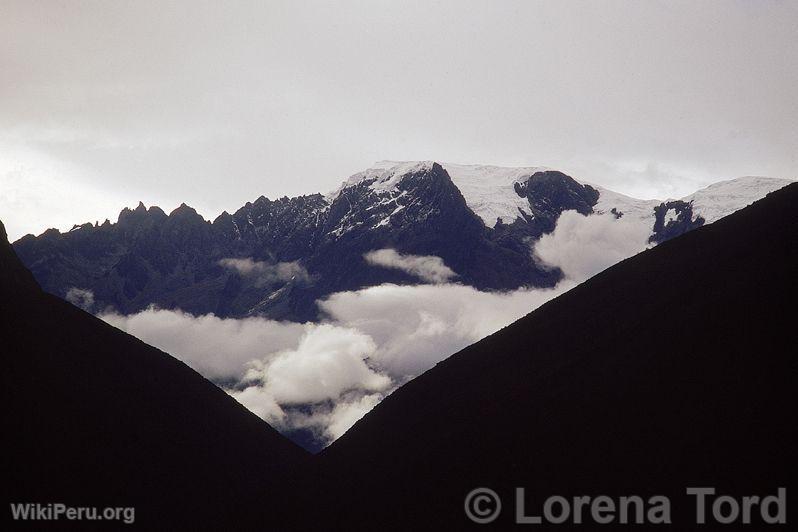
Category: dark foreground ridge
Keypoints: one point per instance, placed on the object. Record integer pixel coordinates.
(95, 417)
(671, 369)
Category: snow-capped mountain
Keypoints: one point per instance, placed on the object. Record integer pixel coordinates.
(492, 192)
(489, 191)
(276, 258)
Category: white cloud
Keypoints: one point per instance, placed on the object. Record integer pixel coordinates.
(324, 377)
(415, 327)
(270, 365)
(264, 273)
(372, 341)
(328, 373)
(218, 348)
(80, 298)
(581, 246)
(328, 361)
(426, 267)
(327, 420)
(260, 402)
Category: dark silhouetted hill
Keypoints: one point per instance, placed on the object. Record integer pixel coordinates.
(674, 368)
(95, 417)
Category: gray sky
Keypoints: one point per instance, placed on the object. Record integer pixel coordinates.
(106, 103)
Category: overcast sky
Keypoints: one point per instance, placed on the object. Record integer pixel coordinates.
(103, 104)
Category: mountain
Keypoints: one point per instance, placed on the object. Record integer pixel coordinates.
(672, 369)
(276, 258)
(95, 417)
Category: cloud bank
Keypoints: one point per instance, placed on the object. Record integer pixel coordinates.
(327, 362)
(218, 348)
(323, 377)
(415, 327)
(426, 267)
(582, 246)
(371, 341)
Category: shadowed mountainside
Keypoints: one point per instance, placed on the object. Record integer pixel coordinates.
(674, 368)
(671, 369)
(95, 417)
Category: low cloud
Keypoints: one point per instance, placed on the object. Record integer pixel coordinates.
(582, 246)
(328, 361)
(323, 377)
(373, 340)
(80, 298)
(218, 348)
(266, 274)
(414, 327)
(271, 366)
(329, 375)
(426, 267)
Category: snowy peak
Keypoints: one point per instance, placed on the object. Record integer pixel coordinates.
(385, 176)
(725, 197)
(710, 204)
(490, 191)
(391, 195)
(614, 202)
(496, 193)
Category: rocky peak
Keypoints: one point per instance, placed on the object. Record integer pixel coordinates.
(185, 213)
(223, 218)
(140, 215)
(672, 218)
(156, 212)
(550, 192)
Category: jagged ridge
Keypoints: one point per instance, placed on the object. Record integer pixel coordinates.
(480, 220)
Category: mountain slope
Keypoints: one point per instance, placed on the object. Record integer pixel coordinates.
(670, 369)
(95, 417)
(665, 371)
(481, 220)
